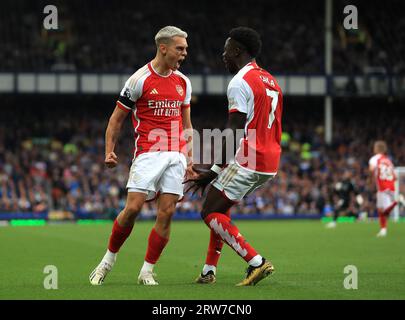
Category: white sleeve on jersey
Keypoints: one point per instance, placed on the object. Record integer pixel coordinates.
(133, 88)
(187, 99)
(239, 95)
(372, 164)
(132, 91)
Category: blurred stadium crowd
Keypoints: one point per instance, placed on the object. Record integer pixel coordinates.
(118, 36)
(53, 158)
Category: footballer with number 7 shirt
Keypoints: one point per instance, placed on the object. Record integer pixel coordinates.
(255, 105)
(158, 98)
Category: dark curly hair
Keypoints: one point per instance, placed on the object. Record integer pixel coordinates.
(248, 38)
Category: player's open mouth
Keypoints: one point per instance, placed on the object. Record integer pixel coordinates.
(179, 62)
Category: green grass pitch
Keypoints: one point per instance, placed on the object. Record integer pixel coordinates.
(308, 258)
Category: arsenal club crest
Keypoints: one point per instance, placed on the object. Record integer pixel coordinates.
(179, 89)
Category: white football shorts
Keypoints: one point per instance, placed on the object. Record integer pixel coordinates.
(385, 199)
(235, 181)
(157, 172)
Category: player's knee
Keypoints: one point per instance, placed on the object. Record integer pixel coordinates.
(166, 213)
(132, 209)
(164, 218)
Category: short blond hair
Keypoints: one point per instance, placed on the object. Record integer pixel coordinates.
(380, 146)
(165, 34)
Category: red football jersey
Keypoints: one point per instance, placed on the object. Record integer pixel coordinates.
(156, 103)
(384, 172)
(256, 92)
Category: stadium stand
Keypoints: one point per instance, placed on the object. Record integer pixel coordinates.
(118, 36)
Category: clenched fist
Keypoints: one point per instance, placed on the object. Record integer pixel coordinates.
(111, 160)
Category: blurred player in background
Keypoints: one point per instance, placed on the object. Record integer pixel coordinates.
(345, 191)
(255, 105)
(383, 173)
(158, 98)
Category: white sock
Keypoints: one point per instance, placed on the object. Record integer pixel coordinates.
(207, 268)
(256, 261)
(147, 267)
(110, 257)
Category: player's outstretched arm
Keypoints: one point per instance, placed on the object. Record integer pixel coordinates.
(111, 136)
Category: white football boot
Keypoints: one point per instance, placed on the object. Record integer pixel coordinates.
(147, 278)
(382, 233)
(99, 273)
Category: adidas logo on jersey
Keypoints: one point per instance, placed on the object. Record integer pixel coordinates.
(154, 91)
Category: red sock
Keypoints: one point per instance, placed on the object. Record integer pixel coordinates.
(215, 247)
(382, 218)
(389, 209)
(229, 233)
(156, 244)
(118, 236)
